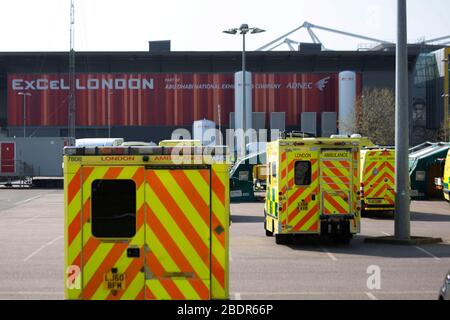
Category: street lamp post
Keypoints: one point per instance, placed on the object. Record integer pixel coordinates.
(25, 95)
(244, 29)
(402, 209)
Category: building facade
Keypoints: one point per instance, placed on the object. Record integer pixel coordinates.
(146, 95)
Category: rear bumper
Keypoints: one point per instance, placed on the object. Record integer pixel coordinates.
(379, 207)
(340, 217)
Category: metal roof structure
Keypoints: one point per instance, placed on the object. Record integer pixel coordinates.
(374, 45)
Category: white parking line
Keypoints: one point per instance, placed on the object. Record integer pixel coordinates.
(27, 200)
(371, 296)
(43, 247)
(37, 293)
(428, 253)
(329, 254)
(336, 293)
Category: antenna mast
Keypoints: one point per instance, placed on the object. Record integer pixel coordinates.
(72, 102)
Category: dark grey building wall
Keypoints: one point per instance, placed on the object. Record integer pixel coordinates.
(377, 68)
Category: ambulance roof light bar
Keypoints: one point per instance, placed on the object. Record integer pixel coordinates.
(153, 150)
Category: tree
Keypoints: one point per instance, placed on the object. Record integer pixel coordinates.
(375, 116)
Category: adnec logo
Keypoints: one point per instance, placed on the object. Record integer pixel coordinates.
(320, 85)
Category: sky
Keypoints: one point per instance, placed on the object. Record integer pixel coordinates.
(196, 25)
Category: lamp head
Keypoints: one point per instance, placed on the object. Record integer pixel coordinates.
(258, 30)
(244, 28)
(230, 31)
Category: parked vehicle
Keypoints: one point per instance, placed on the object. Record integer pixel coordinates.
(312, 188)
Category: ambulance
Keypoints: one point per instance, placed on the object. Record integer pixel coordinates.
(180, 143)
(445, 181)
(377, 179)
(146, 222)
(313, 188)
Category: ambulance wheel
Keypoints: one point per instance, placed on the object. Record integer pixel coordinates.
(363, 212)
(283, 239)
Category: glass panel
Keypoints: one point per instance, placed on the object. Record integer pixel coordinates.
(302, 173)
(113, 208)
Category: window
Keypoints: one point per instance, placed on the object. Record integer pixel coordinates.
(274, 170)
(113, 208)
(302, 173)
(269, 176)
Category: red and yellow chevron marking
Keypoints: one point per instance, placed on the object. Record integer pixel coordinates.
(306, 220)
(337, 176)
(283, 163)
(381, 185)
(98, 257)
(93, 256)
(179, 235)
(219, 242)
(283, 182)
(182, 217)
(356, 200)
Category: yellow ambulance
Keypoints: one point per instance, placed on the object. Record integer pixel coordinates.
(180, 143)
(313, 188)
(377, 179)
(446, 179)
(140, 224)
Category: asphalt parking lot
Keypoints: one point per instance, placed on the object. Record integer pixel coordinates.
(31, 266)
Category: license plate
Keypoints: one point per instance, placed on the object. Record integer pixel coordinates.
(375, 201)
(114, 281)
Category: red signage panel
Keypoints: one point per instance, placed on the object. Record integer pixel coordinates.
(164, 99)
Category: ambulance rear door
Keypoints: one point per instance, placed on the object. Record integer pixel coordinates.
(303, 190)
(112, 231)
(178, 232)
(336, 182)
(379, 178)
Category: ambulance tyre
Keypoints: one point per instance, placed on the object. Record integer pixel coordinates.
(283, 239)
(363, 211)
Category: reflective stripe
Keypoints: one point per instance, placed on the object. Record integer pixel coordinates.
(304, 220)
(183, 233)
(336, 186)
(184, 217)
(380, 186)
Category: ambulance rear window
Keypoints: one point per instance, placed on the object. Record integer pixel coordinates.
(302, 173)
(113, 208)
(274, 170)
